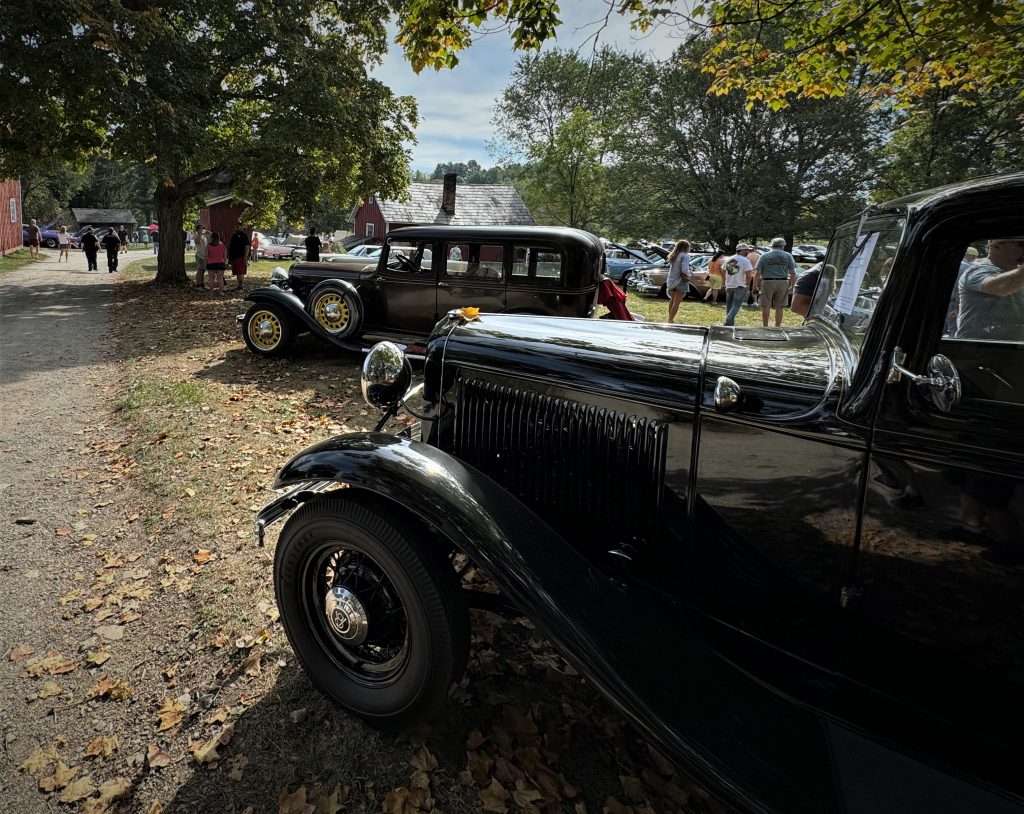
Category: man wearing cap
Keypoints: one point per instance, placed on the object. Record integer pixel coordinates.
(775, 275)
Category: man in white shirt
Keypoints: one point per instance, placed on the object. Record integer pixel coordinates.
(738, 275)
(202, 238)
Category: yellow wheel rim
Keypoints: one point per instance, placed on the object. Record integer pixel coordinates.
(332, 312)
(265, 330)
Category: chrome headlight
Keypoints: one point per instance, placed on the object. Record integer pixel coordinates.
(386, 376)
(278, 275)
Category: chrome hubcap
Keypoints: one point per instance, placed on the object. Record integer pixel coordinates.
(346, 616)
(265, 328)
(333, 312)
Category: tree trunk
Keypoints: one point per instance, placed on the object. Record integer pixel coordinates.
(170, 208)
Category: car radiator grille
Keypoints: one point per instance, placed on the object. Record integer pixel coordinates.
(585, 469)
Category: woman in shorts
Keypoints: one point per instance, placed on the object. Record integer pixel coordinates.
(678, 282)
(216, 262)
(64, 243)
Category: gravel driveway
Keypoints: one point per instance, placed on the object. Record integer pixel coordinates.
(62, 509)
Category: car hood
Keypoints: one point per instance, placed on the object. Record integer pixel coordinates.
(358, 268)
(781, 373)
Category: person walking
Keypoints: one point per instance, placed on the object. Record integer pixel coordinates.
(775, 275)
(32, 234)
(112, 243)
(678, 282)
(202, 239)
(216, 262)
(738, 274)
(715, 277)
(64, 244)
(238, 251)
(90, 245)
(122, 235)
(313, 244)
(155, 235)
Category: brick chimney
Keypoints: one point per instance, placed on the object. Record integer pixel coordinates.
(448, 194)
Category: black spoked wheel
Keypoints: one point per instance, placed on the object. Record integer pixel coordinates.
(373, 611)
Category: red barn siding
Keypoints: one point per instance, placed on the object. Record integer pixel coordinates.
(369, 212)
(10, 232)
(222, 217)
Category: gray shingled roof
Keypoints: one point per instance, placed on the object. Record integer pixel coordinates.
(91, 216)
(475, 205)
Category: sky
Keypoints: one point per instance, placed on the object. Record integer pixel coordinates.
(456, 105)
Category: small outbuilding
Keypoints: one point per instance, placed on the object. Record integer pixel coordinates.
(102, 219)
(221, 212)
(443, 204)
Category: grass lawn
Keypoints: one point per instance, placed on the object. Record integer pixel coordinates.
(694, 312)
(14, 260)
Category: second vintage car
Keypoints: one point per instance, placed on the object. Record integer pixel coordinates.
(421, 273)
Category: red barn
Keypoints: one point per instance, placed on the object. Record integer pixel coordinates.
(12, 217)
(469, 205)
(221, 213)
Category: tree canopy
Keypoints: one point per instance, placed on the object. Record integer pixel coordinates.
(775, 50)
(271, 101)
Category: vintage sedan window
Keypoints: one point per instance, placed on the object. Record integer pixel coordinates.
(410, 258)
(983, 333)
(475, 260)
(856, 268)
(537, 265)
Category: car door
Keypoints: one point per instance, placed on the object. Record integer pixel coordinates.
(471, 273)
(403, 291)
(940, 612)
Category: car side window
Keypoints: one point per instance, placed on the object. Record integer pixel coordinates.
(478, 261)
(537, 264)
(983, 332)
(409, 258)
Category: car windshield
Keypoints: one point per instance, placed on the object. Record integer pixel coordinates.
(855, 271)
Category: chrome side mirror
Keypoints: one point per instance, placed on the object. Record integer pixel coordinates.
(942, 382)
(386, 376)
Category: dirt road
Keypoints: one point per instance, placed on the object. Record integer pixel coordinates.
(63, 514)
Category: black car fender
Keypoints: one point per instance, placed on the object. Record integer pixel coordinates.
(296, 308)
(566, 595)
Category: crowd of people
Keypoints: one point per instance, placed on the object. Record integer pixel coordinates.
(214, 257)
(767, 281)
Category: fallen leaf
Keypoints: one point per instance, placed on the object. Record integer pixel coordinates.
(115, 788)
(423, 760)
(156, 757)
(238, 764)
(333, 802)
(79, 790)
(156, 807)
(21, 651)
(525, 795)
(475, 740)
(91, 603)
(39, 760)
(61, 776)
(251, 664)
(295, 803)
(219, 716)
(190, 492)
(493, 798)
(170, 714)
(63, 531)
(48, 690)
(114, 688)
(103, 746)
(97, 657)
(202, 556)
(65, 666)
(220, 640)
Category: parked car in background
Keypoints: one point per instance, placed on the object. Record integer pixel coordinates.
(276, 250)
(47, 236)
(809, 253)
(422, 273)
(623, 261)
(793, 558)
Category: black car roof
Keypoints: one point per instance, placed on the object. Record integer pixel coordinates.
(553, 235)
(990, 184)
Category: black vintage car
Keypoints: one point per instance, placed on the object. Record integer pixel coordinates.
(791, 557)
(422, 273)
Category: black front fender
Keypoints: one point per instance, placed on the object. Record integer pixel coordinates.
(296, 308)
(604, 626)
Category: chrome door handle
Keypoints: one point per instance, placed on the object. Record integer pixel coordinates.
(727, 394)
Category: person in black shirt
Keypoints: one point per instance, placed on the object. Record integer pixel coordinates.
(238, 252)
(90, 245)
(112, 243)
(122, 236)
(313, 244)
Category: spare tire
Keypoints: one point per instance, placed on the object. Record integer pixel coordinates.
(336, 308)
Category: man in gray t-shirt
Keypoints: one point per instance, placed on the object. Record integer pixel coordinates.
(992, 294)
(775, 275)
